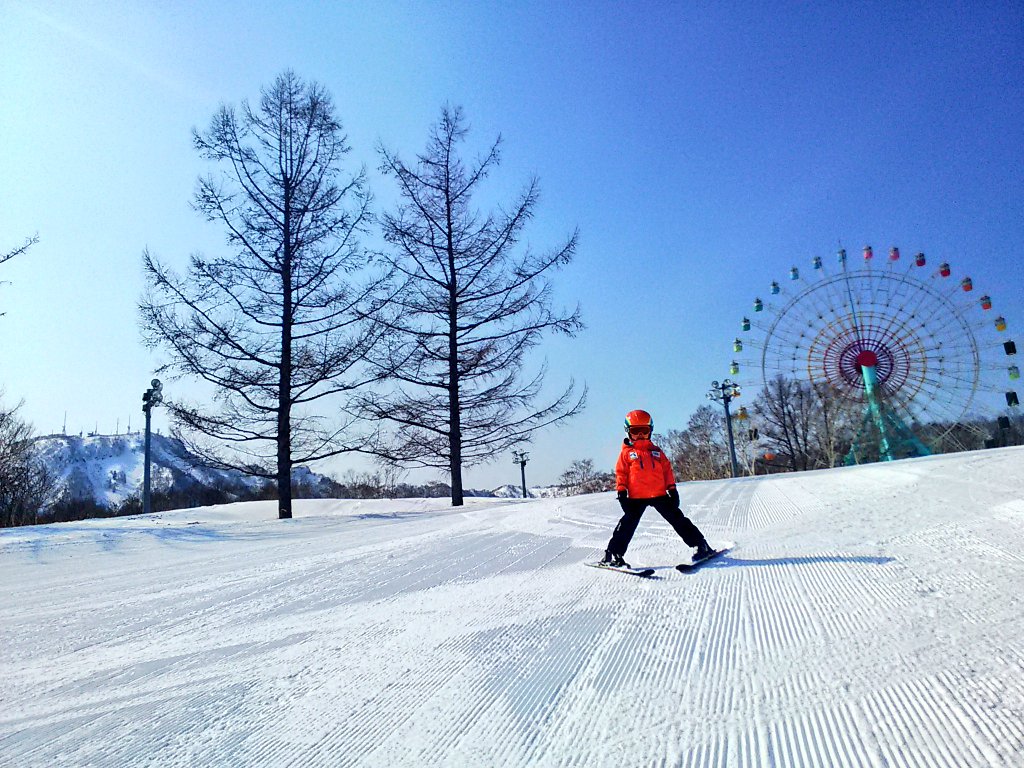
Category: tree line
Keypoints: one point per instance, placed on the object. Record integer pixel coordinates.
(29, 493)
(794, 426)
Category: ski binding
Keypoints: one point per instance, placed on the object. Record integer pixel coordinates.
(694, 565)
(643, 572)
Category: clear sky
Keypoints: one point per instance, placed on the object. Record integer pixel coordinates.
(701, 148)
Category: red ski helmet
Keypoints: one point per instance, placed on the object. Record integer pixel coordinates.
(639, 419)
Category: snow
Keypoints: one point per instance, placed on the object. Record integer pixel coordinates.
(868, 616)
(103, 468)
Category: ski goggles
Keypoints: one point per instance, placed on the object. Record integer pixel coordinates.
(639, 431)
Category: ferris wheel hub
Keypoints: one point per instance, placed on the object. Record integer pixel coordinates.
(867, 359)
(851, 350)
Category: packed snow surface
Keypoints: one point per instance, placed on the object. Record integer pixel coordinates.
(867, 616)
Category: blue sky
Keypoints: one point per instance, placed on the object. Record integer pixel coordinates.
(701, 148)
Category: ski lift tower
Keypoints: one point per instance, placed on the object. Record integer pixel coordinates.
(724, 392)
(520, 458)
(152, 396)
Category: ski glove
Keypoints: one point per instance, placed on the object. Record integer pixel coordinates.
(673, 493)
(621, 495)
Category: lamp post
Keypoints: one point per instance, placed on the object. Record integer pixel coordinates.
(152, 396)
(724, 392)
(520, 458)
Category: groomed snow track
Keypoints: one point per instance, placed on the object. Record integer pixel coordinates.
(868, 616)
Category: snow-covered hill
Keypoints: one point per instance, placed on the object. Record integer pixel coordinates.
(516, 492)
(868, 616)
(108, 468)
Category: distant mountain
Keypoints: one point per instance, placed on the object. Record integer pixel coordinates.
(516, 492)
(108, 469)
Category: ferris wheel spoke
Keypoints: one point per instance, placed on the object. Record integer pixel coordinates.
(924, 401)
(915, 310)
(933, 400)
(953, 379)
(832, 298)
(938, 411)
(821, 303)
(845, 287)
(945, 325)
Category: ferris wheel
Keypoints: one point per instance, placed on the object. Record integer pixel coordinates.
(907, 343)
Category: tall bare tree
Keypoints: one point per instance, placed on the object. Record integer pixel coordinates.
(835, 420)
(472, 308)
(276, 325)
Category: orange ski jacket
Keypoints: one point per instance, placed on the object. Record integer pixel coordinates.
(643, 470)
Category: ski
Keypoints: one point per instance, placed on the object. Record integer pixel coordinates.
(694, 565)
(644, 572)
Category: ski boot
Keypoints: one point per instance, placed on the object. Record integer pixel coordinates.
(615, 561)
(703, 552)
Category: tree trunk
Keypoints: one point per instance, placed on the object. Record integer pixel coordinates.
(454, 412)
(284, 390)
(455, 438)
(284, 477)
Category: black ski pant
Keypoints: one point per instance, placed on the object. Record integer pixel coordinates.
(633, 510)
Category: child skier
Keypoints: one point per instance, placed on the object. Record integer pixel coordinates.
(643, 477)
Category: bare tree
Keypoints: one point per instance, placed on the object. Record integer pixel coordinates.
(834, 424)
(391, 477)
(581, 477)
(276, 325)
(811, 427)
(26, 486)
(29, 242)
(784, 411)
(4, 257)
(700, 452)
(471, 310)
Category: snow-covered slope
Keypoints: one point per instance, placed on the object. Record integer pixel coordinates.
(868, 616)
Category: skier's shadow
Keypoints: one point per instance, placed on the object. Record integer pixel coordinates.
(396, 515)
(750, 562)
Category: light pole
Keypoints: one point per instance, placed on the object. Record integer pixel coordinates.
(520, 458)
(725, 391)
(152, 396)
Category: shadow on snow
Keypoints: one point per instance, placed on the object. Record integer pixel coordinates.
(729, 561)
